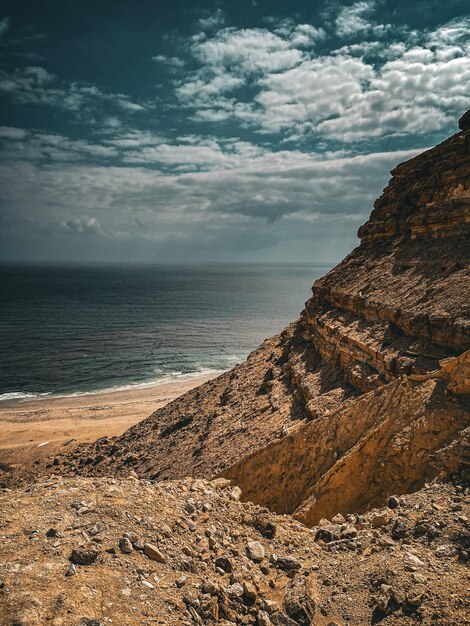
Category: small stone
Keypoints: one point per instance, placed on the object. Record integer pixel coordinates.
(329, 533)
(382, 599)
(445, 550)
(154, 553)
(393, 502)
(249, 592)
(235, 591)
(411, 561)
(147, 584)
(338, 519)
(166, 531)
(271, 606)
(224, 563)
(255, 551)
(209, 587)
(181, 581)
(133, 537)
(349, 532)
(287, 564)
(415, 595)
(263, 619)
(398, 595)
(220, 483)
(281, 619)
(264, 526)
(380, 519)
(85, 554)
(71, 571)
(190, 508)
(399, 530)
(125, 545)
(299, 603)
(236, 493)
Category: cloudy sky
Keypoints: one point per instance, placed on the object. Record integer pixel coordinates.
(247, 130)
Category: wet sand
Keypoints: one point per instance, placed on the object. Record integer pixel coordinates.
(32, 428)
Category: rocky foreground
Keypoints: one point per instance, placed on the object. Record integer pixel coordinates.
(91, 552)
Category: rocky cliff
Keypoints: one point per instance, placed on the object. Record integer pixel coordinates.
(360, 396)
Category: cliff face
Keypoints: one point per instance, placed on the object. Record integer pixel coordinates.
(358, 389)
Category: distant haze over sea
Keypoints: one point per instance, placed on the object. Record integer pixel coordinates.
(81, 329)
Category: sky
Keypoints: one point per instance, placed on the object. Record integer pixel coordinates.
(185, 131)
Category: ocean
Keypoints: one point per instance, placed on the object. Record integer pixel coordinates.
(81, 329)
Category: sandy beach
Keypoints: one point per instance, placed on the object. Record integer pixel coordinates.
(37, 427)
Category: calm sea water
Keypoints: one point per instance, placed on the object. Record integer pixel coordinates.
(79, 329)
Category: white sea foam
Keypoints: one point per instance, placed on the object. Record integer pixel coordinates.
(19, 395)
(175, 376)
(162, 380)
(170, 377)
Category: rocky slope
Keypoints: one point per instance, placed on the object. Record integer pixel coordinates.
(98, 551)
(357, 387)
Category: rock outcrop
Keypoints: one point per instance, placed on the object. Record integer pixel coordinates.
(357, 398)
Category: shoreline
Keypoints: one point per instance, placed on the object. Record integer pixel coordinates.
(19, 397)
(39, 426)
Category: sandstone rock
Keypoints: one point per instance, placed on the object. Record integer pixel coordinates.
(412, 562)
(221, 483)
(445, 550)
(380, 519)
(235, 591)
(236, 493)
(389, 326)
(255, 551)
(125, 545)
(85, 554)
(154, 553)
